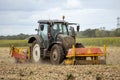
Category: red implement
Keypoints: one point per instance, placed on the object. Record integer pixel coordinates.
(86, 52)
(18, 55)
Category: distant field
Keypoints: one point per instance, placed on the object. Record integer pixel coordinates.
(20, 43)
(109, 41)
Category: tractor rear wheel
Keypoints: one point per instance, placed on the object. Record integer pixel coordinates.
(35, 52)
(56, 55)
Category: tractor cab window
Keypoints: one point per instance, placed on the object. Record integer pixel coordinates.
(44, 31)
(59, 28)
(55, 27)
(63, 29)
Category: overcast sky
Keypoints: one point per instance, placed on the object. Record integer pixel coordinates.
(21, 16)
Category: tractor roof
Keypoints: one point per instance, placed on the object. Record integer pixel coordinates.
(51, 21)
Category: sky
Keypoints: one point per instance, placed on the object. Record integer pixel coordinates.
(21, 16)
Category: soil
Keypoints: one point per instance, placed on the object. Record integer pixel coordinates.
(9, 70)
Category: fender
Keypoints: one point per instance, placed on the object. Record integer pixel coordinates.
(38, 38)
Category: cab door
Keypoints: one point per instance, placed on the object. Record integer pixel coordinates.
(44, 34)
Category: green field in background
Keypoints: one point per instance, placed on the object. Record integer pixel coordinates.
(109, 41)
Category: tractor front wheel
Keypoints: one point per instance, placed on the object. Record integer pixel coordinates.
(35, 52)
(56, 55)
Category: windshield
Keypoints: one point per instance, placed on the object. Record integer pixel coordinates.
(60, 28)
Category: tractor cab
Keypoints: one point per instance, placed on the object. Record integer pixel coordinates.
(50, 29)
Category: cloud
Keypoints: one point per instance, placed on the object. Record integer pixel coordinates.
(18, 16)
(15, 17)
(101, 4)
(42, 5)
(15, 22)
(72, 4)
(23, 5)
(16, 29)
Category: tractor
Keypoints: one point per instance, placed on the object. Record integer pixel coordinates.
(53, 40)
(56, 41)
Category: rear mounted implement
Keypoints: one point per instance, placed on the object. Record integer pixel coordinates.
(21, 55)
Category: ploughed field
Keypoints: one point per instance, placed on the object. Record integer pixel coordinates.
(9, 70)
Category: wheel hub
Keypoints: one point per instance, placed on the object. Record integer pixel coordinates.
(55, 55)
(36, 53)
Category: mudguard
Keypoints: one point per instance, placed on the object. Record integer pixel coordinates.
(38, 38)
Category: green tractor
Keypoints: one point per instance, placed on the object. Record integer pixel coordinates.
(54, 38)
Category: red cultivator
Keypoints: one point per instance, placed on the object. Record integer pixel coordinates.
(86, 56)
(20, 55)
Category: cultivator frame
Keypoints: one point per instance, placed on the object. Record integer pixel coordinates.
(85, 56)
(21, 55)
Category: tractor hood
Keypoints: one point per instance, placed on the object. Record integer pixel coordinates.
(67, 41)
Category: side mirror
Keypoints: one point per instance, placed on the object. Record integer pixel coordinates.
(72, 30)
(41, 27)
(78, 27)
(36, 29)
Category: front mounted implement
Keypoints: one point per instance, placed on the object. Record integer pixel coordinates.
(86, 56)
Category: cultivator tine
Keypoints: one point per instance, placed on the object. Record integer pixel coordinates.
(28, 53)
(11, 49)
(73, 52)
(105, 52)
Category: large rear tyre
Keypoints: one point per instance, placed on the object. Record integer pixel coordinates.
(56, 55)
(35, 52)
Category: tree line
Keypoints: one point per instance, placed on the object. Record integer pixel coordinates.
(20, 36)
(99, 33)
(86, 33)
